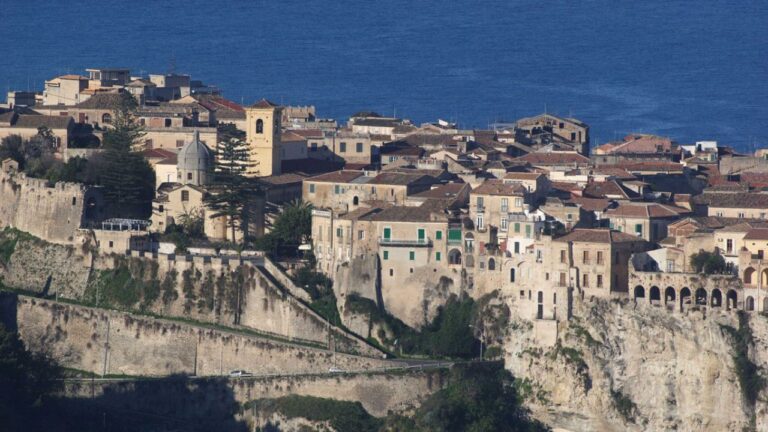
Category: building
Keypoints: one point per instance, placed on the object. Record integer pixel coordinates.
(548, 129)
(64, 90)
(263, 134)
(493, 201)
(648, 221)
(733, 204)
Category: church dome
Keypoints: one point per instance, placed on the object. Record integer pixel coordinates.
(194, 156)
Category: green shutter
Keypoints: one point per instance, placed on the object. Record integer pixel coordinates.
(437, 256)
(386, 255)
(454, 235)
(639, 228)
(528, 231)
(421, 234)
(517, 227)
(439, 235)
(387, 233)
(412, 255)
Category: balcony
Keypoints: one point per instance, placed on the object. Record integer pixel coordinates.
(405, 243)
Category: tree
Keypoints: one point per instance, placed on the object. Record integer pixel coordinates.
(292, 228)
(708, 262)
(12, 147)
(231, 191)
(128, 179)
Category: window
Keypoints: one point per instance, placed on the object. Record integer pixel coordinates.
(518, 202)
(719, 214)
(74, 200)
(491, 264)
(167, 122)
(512, 276)
(312, 188)
(437, 256)
(411, 255)
(741, 215)
(639, 229)
(585, 280)
(562, 279)
(517, 247)
(569, 216)
(729, 245)
(313, 147)
(599, 257)
(387, 233)
(111, 244)
(386, 255)
(480, 204)
(185, 195)
(391, 272)
(359, 147)
(599, 281)
(421, 235)
(179, 143)
(504, 205)
(480, 222)
(339, 232)
(342, 147)
(259, 126)
(189, 176)
(106, 118)
(562, 256)
(438, 235)
(161, 208)
(527, 231)
(670, 265)
(585, 257)
(517, 227)
(361, 235)
(336, 189)
(503, 224)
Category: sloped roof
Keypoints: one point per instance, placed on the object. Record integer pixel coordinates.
(592, 204)
(590, 235)
(522, 176)
(264, 103)
(555, 158)
(342, 176)
(609, 189)
(752, 200)
(101, 101)
(646, 210)
(757, 234)
(448, 190)
(498, 187)
(36, 121)
(398, 178)
(407, 214)
(640, 143)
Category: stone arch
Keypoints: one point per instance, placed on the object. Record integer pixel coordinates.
(685, 297)
(701, 297)
(639, 292)
(749, 274)
(655, 294)
(669, 295)
(731, 299)
(491, 264)
(716, 298)
(106, 118)
(259, 126)
(454, 256)
(764, 277)
(749, 305)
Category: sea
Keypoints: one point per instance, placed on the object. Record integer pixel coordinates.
(691, 70)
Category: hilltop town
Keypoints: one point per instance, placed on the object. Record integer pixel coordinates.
(322, 247)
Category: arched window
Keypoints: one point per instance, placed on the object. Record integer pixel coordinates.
(491, 264)
(748, 275)
(669, 295)
(750, 303)
(655, 294)
(106, 118)
(511, 275)
(454, 256)
(355, 201)
(701, 297)
(259, 126)
(639, 292)
(717, 298)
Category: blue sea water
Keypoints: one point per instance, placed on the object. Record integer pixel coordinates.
(693, 70)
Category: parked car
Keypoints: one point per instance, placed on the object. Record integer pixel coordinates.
(334, 369)
(240, 373)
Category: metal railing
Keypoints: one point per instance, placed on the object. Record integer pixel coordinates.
(425, 242)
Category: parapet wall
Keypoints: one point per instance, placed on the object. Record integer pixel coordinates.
(50, 213)
(118, 343)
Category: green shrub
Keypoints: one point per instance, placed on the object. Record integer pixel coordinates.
(342, 416)
(750, 381)
(624, 405)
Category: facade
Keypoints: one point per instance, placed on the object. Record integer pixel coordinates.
(491, 203)
(648, 221)
(263, 134)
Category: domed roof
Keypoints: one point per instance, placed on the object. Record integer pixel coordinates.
(194, 156)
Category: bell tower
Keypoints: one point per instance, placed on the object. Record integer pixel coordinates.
(263, 125)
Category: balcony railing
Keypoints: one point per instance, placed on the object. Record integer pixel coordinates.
(426, 242)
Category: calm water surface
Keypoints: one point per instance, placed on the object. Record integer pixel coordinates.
(691, 70)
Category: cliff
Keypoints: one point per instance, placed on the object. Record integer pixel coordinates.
(618, 366)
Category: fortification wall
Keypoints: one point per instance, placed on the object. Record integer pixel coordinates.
(50, 213)
(110, 342)
(379, 393)
(229, 292)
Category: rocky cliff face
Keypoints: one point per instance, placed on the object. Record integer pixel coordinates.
(618, 366)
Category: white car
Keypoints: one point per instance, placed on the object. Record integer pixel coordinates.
(240, 373)
(334, 369)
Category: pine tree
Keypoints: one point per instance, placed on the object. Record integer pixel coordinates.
(128, 179)
(231, 191)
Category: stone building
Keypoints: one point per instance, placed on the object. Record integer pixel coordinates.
(263, 133)
(645, 220)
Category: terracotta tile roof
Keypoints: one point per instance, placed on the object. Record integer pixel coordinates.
(342, 176)
(609, 189)
(283, 179)
(36, 121)
(752, 200)
(101, 101)
(264, 103)
(619, 173)
(585, 235)
(566, 186)
(639, 144)
(592, 204)
(555, 158)
(650, 166)
(522, 176)
(290, 136)
(407, 214)
(397, 178)
(158, 153)
(646, 211)
(757, 234)
(498, 187)
(448, 190)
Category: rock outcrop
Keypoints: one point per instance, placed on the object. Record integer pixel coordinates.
(619, 366)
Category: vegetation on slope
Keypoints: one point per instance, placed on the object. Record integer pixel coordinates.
(750, 381)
